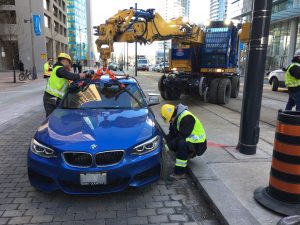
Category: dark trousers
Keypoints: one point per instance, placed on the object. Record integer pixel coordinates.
(294, 100)
(50, 103)
(185, 150)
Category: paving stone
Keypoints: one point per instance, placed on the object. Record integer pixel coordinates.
(8, 206)
(29, 206)
(13, 213)
(117, 221)
(154, 204)
(85, 216)
(19, 220)
(35, 212)
(42, 219)
(210, 222)
(161, 197)
(106, 214)
(22, 200)
(165, 211)
(172, 203)
(3, 220)
(158, 219)
(137, 220)
(146, 212)
(127, 213)
(181, 218)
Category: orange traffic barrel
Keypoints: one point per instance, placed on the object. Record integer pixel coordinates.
(283, 193)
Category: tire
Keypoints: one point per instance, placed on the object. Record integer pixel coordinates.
(173, 93)
(235, 87)
(275, 84)
(30, 76)
(224, 91)
(21, 76)
(213, 90)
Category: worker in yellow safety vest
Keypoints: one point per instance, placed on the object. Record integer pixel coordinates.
(186, 136)
(59, 82)
(292, 82)
(48, 68)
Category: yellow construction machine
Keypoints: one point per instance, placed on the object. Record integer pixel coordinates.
(205, 60)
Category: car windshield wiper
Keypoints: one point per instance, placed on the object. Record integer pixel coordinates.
(124, 89)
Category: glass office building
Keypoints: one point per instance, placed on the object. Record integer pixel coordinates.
(218, 9)
(77, 29)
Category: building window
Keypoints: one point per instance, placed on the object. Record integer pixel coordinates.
(8, 17)
(56, 26)
(47, 21)
(46, 4)
(7, 2)
(55, 11)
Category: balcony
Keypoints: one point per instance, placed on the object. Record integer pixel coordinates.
(285, 9)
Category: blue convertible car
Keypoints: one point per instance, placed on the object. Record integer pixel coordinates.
(102, 138)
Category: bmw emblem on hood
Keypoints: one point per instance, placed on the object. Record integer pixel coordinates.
(93, 147)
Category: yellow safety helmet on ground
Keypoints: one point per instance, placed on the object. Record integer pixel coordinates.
(65, 56)
(167, 111)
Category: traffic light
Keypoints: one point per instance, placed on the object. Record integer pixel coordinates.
(244, 32)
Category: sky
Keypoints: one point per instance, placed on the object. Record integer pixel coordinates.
(103, 9)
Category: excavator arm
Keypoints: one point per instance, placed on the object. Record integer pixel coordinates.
(143, 26)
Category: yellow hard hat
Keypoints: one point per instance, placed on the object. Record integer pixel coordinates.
(167, 111)
(65, 56)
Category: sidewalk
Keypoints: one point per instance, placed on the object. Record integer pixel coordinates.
(226, 177)
(7, 80)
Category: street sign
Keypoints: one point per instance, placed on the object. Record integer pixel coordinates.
(43, 56)
(37, 25)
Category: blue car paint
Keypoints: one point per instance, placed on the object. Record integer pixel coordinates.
(111, 129)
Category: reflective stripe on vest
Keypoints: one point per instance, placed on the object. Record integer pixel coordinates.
(181, 163)
(198, 134)
(291, 81)
(57, 86)
(46, 69)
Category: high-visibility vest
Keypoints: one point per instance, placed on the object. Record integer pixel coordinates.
(46, 69)
(57, 86)
(291, 81)
(198, 134)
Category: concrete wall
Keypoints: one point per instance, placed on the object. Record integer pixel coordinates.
(24, 35)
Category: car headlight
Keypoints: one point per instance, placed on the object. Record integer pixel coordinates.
(41, 150)
(147, 146)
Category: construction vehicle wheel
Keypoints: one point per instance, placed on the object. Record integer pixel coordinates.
(174, 94)
(164, 95)
(213, 90)
(161, 86)
(235, 87)
(224, 91)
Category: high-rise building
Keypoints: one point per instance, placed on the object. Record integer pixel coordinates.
(175, 8)
(77, 29)
(31, 31)
(171, 9)
(284, 35)
(218, 9)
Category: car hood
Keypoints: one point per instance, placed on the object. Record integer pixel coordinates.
(109, 129)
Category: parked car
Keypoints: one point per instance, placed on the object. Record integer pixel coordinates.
(164, 68)
(113, 66)
(155, 67)
(143, 65)
(276, 79)
(102, 138)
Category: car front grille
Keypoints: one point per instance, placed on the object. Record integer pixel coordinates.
(109, 158)
(78, 159)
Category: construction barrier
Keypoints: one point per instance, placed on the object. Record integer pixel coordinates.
(283, 193)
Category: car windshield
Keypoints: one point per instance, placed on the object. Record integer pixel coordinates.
(105, 96)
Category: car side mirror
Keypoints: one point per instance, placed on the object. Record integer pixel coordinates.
(153, 99)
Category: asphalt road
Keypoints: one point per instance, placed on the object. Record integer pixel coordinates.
(163, 202)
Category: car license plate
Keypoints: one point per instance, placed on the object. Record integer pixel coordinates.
(92, 178)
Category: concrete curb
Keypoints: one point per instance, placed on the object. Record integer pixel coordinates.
(228, 208)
